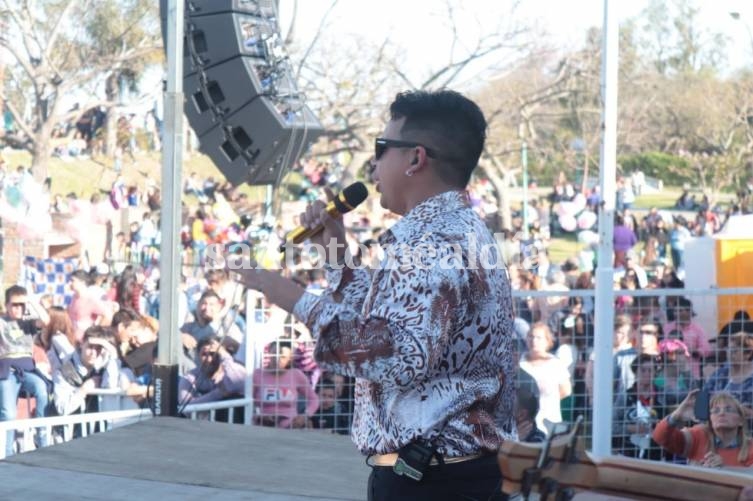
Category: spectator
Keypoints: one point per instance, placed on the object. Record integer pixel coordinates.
(128, 289)
(691, 333)
(736, 374)
(217, 377)
(623, 355)
(17, 368)
(648, 338)
(278, 388)
(677, 239)
(231, 295)
(632, 265)
(550, 373)
(527, 408)
(623, 240)
(675, 379)
(209, 322)
(85, 309)
(637, 412)
(77, 372)
(331, 415)
(724, 441)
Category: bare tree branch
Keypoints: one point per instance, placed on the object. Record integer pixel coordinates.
(319, 31)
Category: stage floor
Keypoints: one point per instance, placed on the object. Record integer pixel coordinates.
(178, 459)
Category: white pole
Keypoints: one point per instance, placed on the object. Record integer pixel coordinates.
(604, 317)
(172, 164)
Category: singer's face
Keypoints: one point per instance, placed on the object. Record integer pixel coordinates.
(389, 173)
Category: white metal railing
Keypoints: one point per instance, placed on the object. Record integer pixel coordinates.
(209, 410)
(95, 422)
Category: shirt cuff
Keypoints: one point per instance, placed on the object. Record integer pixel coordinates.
(672, 422)
(305, 305)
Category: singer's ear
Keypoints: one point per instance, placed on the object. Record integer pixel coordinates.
(415, 161)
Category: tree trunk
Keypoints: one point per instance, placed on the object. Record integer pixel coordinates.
(41, 152)
(111, 125)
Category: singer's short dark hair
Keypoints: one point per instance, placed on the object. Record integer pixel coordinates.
(447, 122)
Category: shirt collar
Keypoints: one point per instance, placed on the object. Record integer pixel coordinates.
(718, 443)
(423, 214)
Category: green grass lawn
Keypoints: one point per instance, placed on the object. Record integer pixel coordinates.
(86, 176)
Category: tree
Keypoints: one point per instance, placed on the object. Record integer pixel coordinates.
(69, 48)
(347, 78)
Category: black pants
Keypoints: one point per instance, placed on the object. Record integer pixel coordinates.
(474, 480)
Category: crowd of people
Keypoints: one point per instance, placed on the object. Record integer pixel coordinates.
(658, 352)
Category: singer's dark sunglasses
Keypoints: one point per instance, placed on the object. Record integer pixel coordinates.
(381, 144)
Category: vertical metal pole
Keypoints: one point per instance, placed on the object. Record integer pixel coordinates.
(248, 387)
(166, 370)
(524, 163)
(604, 318)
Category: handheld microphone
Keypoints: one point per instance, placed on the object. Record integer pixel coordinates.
(347, 200)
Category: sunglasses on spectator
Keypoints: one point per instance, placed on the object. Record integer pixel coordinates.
(382, 144)
(648, 331)
(18, 305)
(727, 409)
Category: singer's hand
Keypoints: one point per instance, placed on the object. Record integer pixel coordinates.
(334, 229)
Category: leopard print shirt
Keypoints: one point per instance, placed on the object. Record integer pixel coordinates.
(427, 335)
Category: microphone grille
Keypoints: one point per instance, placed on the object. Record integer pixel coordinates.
(354, 195)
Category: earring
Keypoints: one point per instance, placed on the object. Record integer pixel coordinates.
(409, 173)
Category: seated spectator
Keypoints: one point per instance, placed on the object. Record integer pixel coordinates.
(17, 368)
(725, 441)
(76, 373)
(550, 373)
(638, 411)
(217, 377)
(278, 388)
(125, 324)
(331, 415)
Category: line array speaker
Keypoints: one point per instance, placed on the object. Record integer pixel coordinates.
(241, 98)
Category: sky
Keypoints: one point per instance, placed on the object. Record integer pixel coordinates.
(420, 26)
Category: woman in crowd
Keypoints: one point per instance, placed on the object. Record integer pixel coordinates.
(724, 441)
(550, 373)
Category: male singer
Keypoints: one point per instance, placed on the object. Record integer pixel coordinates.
(428, 337)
